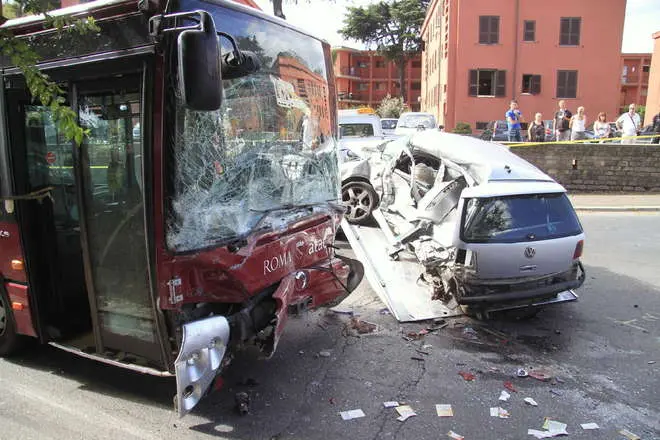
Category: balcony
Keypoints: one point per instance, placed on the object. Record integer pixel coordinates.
(353, 97)
(349, 71)
(635, 78)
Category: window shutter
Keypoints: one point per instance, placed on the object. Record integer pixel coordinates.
(571, 87)
(500, 81)
(494, 30)
(575, 32)
(560, 84)
(473, 82)
(483, 29)
(536, 85)
(564, 31)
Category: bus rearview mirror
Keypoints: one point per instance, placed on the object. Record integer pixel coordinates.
(200, 75)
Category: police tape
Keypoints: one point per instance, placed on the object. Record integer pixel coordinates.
(583, 141)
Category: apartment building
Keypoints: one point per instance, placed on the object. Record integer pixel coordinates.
(653, 98)
(635, 70)
(364, 78)
(481, 54)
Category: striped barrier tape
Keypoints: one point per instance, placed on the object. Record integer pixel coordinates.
(583, 141)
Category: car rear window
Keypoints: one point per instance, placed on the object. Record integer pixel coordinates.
(414, 121)
(519, 218)
(360, 130)
(388, 125)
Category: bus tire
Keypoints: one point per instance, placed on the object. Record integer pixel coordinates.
(10, 341)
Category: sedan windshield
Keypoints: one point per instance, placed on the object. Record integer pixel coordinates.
(414, 121)
(270, 147)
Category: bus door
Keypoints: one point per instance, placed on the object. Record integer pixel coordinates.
(87, 246)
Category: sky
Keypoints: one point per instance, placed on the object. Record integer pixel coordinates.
(323, 18)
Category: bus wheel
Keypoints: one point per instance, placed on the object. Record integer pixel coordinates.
(9, 340)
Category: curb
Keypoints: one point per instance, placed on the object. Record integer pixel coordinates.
(618, 208)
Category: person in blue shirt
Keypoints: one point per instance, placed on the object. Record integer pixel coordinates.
(513, 119)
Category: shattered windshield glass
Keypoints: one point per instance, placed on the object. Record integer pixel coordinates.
(271, 146)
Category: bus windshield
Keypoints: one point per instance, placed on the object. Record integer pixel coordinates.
(270, 147)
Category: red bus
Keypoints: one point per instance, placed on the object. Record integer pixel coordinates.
(200, 209)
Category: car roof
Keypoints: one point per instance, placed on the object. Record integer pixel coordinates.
(484, 161)
(358, 119)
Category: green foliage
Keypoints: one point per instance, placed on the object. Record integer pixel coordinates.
(462, 128)
(41, 87)
(392, 26)
(641, 109)
(391, 107)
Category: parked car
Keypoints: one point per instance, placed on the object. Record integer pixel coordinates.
(360, 130)
(498, 131)
(412, 122)
(388, 125)
(466, 226)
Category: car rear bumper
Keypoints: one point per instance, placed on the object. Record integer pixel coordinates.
(515, 294)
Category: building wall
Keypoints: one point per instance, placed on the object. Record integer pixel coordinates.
(596, 58)
(653, 98)
(634, 78)
(364, 78)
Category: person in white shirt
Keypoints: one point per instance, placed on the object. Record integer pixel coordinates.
(629, 124)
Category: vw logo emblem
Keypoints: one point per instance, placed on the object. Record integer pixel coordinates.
(529, 252)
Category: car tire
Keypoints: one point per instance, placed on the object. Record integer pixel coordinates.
(10, 341)
(360, 200)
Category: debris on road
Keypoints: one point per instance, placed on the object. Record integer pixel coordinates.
(504, 396)
(390, 404)
(363, 327)
(352, 414)
(324, 354)
(444, 411)
(552, 429)
(556, 392)
(530, 401)
(499, 412)
(467, 376)
(415, 358)
(651, 362)
(509, 386)
(455, 436)
(242, 401)
(426, 346)
(417, 335)
(588, 426)
(540, 374)
(405, 412)
(522, 372)
(629, 435)
(470, 333)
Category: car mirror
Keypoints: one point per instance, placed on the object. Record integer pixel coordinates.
(199, 68)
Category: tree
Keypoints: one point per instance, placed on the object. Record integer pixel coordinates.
(391, 107)
(462, 128)
(21, 55)
(393, 26)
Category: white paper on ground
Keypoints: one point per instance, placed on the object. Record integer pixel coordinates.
(539, 434)
(352, 414)
(499, 412)
(530, 401)
(455, 436)
(405, 411)
(590, 426)
(444, 411)
(504, 396)
(390, 404)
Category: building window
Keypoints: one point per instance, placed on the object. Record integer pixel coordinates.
(646, 69)
(567, 83)
(302, 90)
(530, 30)
(363, 86)
(486, 82)
(531, 84)
(569, 31)
(489, 29)
(416, 64)
(380, 86)
(416, 86)
(480, 125)
(362, 64)
(395, 84)
(380, 64)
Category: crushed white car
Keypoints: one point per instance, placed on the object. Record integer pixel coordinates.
(466, 226)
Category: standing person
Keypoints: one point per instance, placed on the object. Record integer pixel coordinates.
(578, 125)
(536, 130)
(629, 124)
(601, 126)
(513, 120)
(656, 128)
(562, 122)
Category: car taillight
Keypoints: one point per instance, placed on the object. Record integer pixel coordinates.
(578, 250)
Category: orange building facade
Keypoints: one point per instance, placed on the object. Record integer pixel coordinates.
(635, 70)
(481, 54)
(653, 98)
(364, 78)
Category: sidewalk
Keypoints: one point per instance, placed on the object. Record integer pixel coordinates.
(616, 202)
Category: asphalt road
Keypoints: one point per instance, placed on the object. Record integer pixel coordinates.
(599, 350)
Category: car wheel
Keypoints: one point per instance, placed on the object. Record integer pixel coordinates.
(360, 200)
(9, 340)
